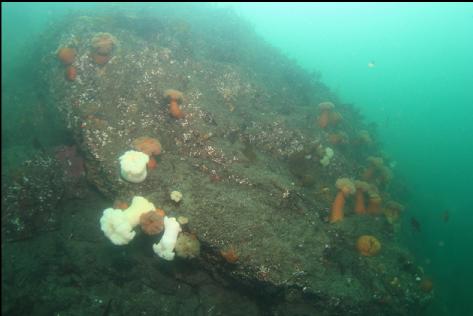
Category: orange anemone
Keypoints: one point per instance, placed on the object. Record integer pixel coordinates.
(100, 59)
(152, 223)
(345, 187)
(174, 97)
(338, 138)
(361, 189)
(160, 212)
(71, 73)
(334, 118)
(377, 172)
(175, 111)
(120, 204)
(103, 43)
(325, 108)
(148, 145)
(152, 164)
(374, 203)
(230, 255)
(368, 245)
(67, 55)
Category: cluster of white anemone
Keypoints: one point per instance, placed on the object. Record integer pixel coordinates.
(325, 161)
(118, 226)
(133, 166)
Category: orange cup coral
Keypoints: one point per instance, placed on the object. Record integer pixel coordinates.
(325, 108)
(345, 187)
(67, 55)
(368, 245)
(152, 223)
(174, 97)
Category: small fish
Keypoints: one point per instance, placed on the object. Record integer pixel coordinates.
(446, 216)
(415, 224)
(371, 64)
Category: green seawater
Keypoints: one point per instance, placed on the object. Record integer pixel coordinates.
(408, 67)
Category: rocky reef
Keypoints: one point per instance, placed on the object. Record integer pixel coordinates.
(245, 147)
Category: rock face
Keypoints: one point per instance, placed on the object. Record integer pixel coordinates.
(30, 198)
(246, 156)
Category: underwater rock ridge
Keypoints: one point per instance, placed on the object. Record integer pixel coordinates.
(245, 147)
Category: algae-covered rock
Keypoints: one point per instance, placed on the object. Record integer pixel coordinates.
(29, 203)
(245, 155)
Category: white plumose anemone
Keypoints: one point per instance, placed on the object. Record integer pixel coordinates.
(133, 166)
(165, 247)
(176, 196)
(325, 161)
(118, 224)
